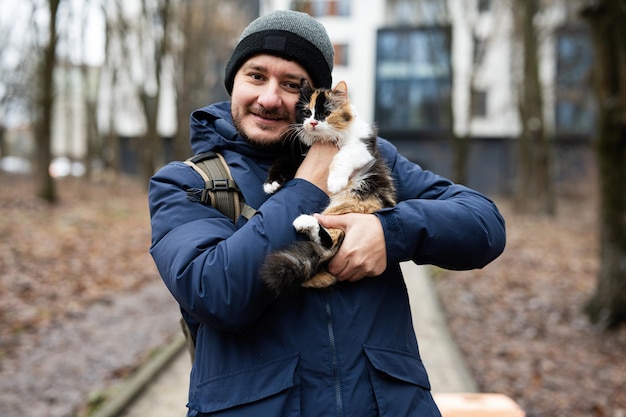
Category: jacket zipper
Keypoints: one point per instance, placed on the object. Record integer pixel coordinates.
(333, 359)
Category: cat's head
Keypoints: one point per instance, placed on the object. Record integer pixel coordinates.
(322, 113)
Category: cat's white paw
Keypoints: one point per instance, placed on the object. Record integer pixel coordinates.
(336, 183)
(271, 187)
(308, 225)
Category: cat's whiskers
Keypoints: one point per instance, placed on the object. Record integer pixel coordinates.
(291, 133)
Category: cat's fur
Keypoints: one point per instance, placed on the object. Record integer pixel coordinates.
(359, 182)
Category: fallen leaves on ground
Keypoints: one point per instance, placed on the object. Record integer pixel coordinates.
(55, 260)
(520, 321)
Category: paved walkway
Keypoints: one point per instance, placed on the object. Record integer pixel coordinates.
(166, 395)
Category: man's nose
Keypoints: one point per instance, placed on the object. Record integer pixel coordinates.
(270, 96)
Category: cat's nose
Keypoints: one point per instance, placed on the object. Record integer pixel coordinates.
(313, 123)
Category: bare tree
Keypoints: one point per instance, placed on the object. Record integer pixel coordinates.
(208, 30)
(45, 99)
(534, 190)
(155, 44)
(127, 72)
(607, 19)
(90, 81)
(116, 61)
(461, 142)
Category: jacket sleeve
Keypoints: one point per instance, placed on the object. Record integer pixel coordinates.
(210, 266)
(438, 222)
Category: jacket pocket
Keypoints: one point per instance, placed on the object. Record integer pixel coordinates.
(400, 383)
(268, 389)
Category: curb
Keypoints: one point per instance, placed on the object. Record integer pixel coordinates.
(466, 381)
(444, 362)
(130, 389)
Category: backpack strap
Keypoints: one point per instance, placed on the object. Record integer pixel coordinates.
(220, 190)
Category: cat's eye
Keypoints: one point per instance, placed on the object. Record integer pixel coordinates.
(306, 113)
(327, 113)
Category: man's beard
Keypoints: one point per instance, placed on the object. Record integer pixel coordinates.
(254, 142)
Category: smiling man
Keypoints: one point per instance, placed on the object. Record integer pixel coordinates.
(264, 97)
(349, 350)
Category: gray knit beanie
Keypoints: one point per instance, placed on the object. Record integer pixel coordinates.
(291, 35)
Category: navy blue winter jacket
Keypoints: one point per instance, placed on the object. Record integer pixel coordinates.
(349, 350)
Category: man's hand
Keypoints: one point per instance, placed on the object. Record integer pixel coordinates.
(363, 252)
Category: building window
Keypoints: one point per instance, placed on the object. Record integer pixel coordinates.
(575, 111)
(479, 104)
(321, 8)
(484, 6)
(342, 54)
(413, 79)
(479, 50)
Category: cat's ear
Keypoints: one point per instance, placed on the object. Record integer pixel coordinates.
(341, 89)
(305, 88)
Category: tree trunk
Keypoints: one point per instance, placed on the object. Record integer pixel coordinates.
(150, 149)
(110, 144)
(3, 147)
(91, 129)
(209, 29)
(607, 18)
(460, 152)
(187, 62)
(459, 143)
(534, 191)
(45, 183)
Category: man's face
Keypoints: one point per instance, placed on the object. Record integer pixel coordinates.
(263, 102)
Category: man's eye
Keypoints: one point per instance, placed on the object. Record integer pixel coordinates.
(257, 77)
(293, 86)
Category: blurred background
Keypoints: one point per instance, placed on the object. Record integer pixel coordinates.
(445, 80)
(520, 99)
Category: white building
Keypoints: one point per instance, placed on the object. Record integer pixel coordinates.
(483, 52)
(412, 67)
(409, 62)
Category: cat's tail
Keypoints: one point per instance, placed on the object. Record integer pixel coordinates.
(287, 270)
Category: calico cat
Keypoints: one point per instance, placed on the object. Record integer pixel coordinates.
(359, 182)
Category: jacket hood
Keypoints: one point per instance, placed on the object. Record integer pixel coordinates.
(212, 129)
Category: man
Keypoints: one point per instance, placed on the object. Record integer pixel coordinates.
(348, 350)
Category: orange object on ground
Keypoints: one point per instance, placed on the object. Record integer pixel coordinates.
(477, 405)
